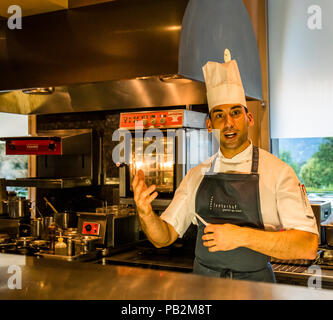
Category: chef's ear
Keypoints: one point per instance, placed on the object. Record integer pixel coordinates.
(209, 124)
(250, 119)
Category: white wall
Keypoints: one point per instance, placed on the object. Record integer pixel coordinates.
(13, 125)
(300, 69)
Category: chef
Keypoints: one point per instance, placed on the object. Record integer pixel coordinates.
(248, 204)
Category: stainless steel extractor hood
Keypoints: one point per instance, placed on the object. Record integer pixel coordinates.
(123, 54)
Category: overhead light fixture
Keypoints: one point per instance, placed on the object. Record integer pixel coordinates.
(46, 90)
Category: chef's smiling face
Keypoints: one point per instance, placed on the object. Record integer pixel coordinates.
(233, 122)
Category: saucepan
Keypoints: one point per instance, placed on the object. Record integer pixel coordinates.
(63, 220)
(37, 227)
(85, 244)
(66, 220)
(18, 207)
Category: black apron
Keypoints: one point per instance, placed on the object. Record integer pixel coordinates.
(231, 198)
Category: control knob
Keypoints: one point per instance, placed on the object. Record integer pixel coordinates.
(88, 227)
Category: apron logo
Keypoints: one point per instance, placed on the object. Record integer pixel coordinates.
(224, 207)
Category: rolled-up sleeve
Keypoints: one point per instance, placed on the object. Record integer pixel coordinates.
(293, 206)
(179, 213)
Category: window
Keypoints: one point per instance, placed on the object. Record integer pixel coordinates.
(12, 167)
(312, 161)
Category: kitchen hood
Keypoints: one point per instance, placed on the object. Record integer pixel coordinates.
(123, 54)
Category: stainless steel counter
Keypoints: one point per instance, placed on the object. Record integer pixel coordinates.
(298, 276)
(49, 279)
(284, 273)
(138, 258)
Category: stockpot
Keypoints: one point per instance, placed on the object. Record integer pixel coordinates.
(18, 207)
(65, 220)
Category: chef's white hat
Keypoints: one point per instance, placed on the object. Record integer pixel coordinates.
(223, 84)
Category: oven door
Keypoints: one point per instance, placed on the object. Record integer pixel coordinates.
(154, 153)
(165, 157)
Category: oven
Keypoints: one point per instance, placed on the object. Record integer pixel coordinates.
(165, 145)
(64, 158)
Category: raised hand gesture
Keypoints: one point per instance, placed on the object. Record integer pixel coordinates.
(143, 195)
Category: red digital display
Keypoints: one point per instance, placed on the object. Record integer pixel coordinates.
(91, 228)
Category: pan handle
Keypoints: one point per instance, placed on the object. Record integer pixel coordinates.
(50, 205)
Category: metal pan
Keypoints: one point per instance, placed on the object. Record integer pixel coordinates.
(18, 208)
(66, 220)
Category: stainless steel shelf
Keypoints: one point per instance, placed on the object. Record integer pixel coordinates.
(156, 204)
(50, 183)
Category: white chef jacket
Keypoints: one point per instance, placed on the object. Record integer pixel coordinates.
(283, 203)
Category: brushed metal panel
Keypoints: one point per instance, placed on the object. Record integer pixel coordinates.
(109, 95)
(109, 41)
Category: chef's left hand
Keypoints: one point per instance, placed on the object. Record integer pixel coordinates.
(222, 237)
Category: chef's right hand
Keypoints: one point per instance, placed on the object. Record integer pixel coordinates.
(143, 195)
